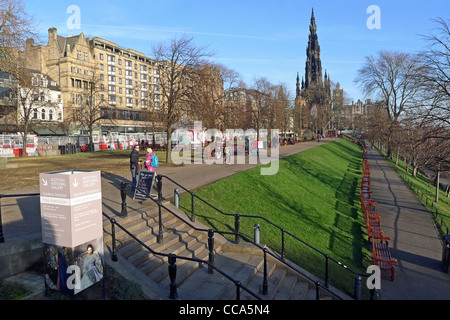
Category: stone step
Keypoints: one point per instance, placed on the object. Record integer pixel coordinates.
(243, 263)
(142, 228)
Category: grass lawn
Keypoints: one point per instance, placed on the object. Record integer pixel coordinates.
(426, 192)
(23, 173)
(314, 195)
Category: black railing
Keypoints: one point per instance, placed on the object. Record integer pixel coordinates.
(172, 258)
(279, 257)
(438, 216)
(2, 238)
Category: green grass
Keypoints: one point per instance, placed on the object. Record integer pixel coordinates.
(26, 174)
(12, 291)
(426, 192)
(314, 196)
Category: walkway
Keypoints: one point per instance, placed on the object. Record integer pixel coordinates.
(415, 242)
(21, 216)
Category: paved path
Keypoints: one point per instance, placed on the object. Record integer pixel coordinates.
(415, 242)
(21, 216)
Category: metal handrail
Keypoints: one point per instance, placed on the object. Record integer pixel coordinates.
(318, 285)
(172, 259)
(327, 257)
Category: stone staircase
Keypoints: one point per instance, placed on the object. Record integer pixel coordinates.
(243, 262)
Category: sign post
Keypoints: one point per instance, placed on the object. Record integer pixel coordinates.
(72, 229)
(144, 185)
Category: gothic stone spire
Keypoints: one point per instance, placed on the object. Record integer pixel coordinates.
(313, 67)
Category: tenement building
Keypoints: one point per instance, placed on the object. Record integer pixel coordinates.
(99, 79)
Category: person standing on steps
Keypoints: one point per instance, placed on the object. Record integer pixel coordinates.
(135, 165)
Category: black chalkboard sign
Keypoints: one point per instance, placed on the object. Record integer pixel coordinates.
(144, 185)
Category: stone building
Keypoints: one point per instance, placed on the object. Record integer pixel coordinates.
(39, 100)
(122, 84)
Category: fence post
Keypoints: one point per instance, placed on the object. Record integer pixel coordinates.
(123, 194)
(236, 228)
(326, 270)
(2, 238)
(192, 207)
(282, 244)
(159, 185)
(211, 250)
(265, 286)
(160, 232)
(357, 289)
(173, 276)
(113, 236)
(238, 290)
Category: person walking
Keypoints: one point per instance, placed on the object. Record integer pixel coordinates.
(135, 165)
(149, 160)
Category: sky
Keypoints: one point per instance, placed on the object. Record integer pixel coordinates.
(254, 38)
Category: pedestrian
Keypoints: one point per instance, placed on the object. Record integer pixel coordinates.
(135, 165)
(150, 163)
(227, 155)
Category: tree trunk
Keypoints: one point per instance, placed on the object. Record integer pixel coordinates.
(24, 143)
(169, 145)
(396, 160)
(437, 186)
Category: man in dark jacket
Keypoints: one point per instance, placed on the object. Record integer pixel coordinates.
(134, 165)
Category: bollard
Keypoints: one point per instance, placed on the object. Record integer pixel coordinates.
(257, 231)
(159, 186)
(176, 196)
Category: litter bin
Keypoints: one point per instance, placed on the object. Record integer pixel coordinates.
(446, 254)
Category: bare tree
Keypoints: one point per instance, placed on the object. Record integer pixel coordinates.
(262, 95)
(282, 111)
(31, 95)
(89, 106)
(436, 59)
(16, 26)
(205, 102)
(178, 62)
(393, 78)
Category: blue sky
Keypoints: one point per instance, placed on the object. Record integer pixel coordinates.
(255, 38)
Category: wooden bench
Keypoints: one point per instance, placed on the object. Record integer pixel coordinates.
(365, 195)
(382, 256)
(373, 224)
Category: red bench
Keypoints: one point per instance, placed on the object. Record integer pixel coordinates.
(382, 256)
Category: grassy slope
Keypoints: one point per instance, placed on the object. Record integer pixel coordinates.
(315, 196)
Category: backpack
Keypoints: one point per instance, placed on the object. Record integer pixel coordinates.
(155, 162)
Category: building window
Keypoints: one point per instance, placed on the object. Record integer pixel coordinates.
(50, 115)
(101, 56)
(43, 114)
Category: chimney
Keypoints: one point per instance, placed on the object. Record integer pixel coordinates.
(52, 34)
